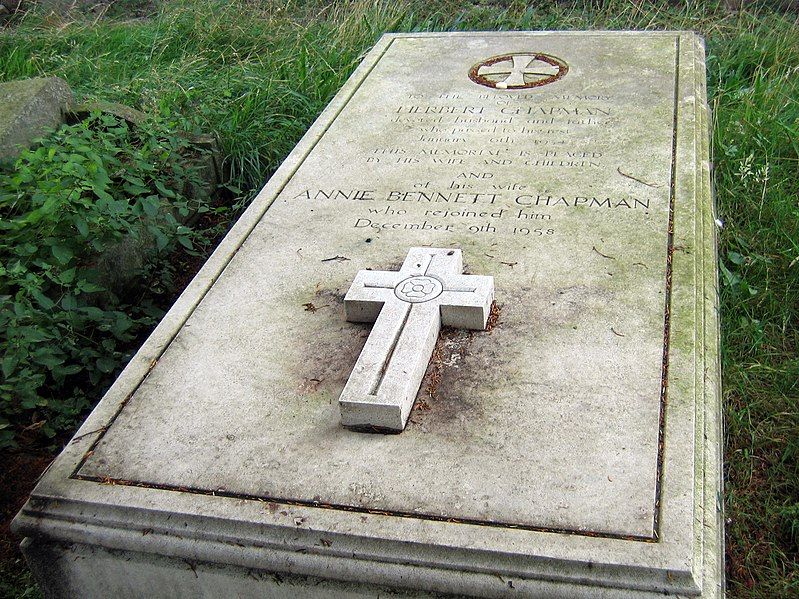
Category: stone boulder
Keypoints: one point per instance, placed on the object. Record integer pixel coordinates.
(28, 109)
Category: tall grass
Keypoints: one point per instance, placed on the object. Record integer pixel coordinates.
(755, 85)
(257, 74)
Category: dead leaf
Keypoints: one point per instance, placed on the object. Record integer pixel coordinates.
(601, 254)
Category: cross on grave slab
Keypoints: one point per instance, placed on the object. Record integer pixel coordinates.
(408, 307)
(516, 70)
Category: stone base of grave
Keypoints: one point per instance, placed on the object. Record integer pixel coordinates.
(236, 569)
(93, 572)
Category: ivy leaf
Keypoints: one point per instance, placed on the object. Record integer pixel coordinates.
(729, 278)
(45, 357)
(88, 286)
(68, 276)
(44, 301)
(151, 204)
(34, 335)
(120, 326)
(135, 190)
(167, 193)
(136, 181)
(69, 302)
(68, 369)
(62, 253)
(106, 364)
(102, 194)
(736, 258)
(82, 226)
(161, 240)
(93, 312)
(9, 364)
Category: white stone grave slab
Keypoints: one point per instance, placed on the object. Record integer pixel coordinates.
(570, 450)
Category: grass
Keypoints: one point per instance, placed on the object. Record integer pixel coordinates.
(16, 581)
(258, 73)
(756, 145)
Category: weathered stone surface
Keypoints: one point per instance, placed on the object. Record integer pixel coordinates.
(28, 109)
(571, 451)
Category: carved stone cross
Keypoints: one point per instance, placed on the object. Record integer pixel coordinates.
(408, 308)
(516, 70)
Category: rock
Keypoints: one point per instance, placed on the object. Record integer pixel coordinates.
(8, 8)
(121, 266)
(80, 112)
(210, 163)
(28, 109)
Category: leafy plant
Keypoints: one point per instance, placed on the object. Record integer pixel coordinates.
(82, 194)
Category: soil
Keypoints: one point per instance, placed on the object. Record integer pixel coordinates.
(96, 8)
(64, 11)
(18, 475)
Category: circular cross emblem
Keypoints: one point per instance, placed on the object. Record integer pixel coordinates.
(418, 289)
(518, 71)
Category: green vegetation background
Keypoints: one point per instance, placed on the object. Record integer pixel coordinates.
(256, 74)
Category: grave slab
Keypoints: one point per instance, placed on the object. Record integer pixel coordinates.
(571, 450)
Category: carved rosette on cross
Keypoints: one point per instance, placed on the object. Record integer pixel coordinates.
(408, 307)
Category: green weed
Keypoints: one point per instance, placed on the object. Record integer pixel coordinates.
(87, 192)
(16, 581)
